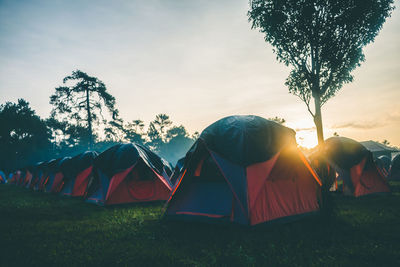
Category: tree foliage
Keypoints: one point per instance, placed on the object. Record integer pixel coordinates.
(322, 40)
(134, 132)
(278, 120)
(24, 137)
(81, 100)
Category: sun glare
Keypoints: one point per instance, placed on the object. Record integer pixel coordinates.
(307, 138)
(306, 135)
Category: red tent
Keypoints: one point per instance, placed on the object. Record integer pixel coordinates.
(355, 166)
(127, 173)
(244, 169)
(76, 173)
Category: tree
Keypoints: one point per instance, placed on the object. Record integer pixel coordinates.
(321, 39)
(83, 101)
(385, 142)
(156, 132)
(24, 137)
(176, 144)
(114, 130)
(66, 135)
(278, 120)
(161, 123)
(134, 131)
(154, 136)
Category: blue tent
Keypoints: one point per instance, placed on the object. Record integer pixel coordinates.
(3, 178)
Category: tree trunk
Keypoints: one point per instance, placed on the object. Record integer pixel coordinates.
(89, 119)
(318, 120)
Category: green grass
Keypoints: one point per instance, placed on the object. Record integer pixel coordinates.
(41, 229)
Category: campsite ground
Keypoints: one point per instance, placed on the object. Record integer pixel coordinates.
(41, 229)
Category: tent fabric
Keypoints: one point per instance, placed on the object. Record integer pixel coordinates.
(27, 179)
(395, 168)
(374, 146)
(383, 163)
(127, 173)
(76, 173)
(344, 152)
(51, 169)
(58, 181)
(354, 165)
(177, 171)
(245, 140)
(3, 178)
(223, 180)
(37, 176)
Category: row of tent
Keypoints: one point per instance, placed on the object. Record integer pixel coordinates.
(242, 169)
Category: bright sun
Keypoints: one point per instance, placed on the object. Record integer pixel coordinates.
(306, 134)
(307, 138)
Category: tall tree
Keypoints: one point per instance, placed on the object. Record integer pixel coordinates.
(67, 138)
(83, 101)
(321, 39)
(114, 130)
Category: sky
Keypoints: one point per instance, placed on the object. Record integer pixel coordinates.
(195, 60)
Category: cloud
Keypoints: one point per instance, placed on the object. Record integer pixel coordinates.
(377, 123)
(305, 129)
(358, 125)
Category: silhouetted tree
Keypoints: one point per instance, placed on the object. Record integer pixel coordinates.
(278, 120)
(154, 137)
(195, 135)
(161, 123)
(114, 131)
(176, 145)
(134, 132)
(321, 39)
(385, 142)
(156, 133)
(83, 101)
(24, 137)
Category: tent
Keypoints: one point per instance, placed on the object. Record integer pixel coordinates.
(35, 173)
(26, 176)
(127, 173)
(3, 178)
(383, 163)
(395, 168)
(38, 176)
(76, 174)
(379, 149)
(10, 177)
(51, 171)
(247, 170)
(41, 185)
(20, 177)
(58, 175)
(16, 177)
(355, 166)
(177, 170)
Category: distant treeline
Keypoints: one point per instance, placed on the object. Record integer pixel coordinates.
(26, 139)
(77, 123)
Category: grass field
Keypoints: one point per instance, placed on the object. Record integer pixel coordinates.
(41, 229)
